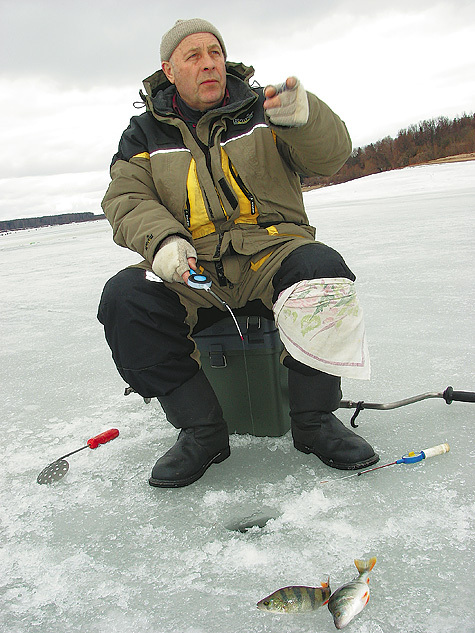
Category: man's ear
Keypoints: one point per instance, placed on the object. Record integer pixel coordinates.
(168, 70)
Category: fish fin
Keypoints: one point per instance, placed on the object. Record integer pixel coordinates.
(365, 565)
(366, 595)
(325, 584)
(326, 602)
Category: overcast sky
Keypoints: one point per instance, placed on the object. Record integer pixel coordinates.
(71, 70)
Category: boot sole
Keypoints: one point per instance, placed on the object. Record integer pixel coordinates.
(340, 466)
(180, 483)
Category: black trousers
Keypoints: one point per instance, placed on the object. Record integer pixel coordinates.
(147, 328)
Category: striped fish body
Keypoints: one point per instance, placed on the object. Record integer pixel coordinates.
(351, 598)
(296, 599)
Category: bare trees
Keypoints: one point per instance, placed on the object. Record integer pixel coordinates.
(419, 143)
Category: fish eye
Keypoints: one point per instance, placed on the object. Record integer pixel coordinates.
(266, 603)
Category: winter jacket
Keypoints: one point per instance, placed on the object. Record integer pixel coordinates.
(235, 184)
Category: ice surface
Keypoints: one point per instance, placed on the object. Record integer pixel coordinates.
(102, 551)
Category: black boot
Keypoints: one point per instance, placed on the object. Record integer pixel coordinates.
(316, 430)
(203, 439)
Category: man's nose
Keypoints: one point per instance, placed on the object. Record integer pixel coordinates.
(208, 62)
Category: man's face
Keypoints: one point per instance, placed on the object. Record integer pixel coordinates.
(197, 68)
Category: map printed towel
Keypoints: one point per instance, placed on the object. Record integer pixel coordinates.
(321, 325)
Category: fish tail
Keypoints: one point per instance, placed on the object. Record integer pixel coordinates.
(365, 565)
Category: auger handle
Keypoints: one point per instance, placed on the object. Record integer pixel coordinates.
(450, 395)
(436, 450)
(103, 438)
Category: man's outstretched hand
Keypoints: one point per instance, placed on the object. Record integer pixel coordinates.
(287, 103)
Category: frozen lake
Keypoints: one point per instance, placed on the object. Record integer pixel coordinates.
(101, 551)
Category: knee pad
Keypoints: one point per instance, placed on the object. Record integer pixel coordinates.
(321, 325)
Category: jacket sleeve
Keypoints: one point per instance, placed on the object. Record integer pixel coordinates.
(318, 148)
(132, 205)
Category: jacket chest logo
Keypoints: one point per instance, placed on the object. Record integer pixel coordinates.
(244, 120)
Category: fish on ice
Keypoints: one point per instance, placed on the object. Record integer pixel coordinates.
(352, 597)
(295, 599)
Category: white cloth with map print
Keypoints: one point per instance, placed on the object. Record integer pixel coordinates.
(321, 325)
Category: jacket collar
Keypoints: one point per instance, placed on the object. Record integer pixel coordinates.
(241, 95)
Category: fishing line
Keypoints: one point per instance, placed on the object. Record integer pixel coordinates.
(198, 281)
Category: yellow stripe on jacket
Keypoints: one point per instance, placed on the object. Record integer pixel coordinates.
(200, 224)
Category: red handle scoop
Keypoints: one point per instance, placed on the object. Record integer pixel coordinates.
(57, 469)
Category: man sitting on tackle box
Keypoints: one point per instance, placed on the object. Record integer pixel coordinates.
(208, 178)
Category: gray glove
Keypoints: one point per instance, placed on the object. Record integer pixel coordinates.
(293, 109)
(171, 259)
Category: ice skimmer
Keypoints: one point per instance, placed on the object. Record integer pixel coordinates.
(57, 469)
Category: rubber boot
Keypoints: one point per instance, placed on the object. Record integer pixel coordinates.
(203, 439)
(316, 430)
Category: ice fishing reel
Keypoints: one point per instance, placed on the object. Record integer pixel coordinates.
(198, 281)
(412, 457)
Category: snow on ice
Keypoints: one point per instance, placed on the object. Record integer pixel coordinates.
(101, 551)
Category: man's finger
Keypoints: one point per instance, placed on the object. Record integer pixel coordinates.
(270, 92)
(192, 265)
(272, 102)
(291, 82)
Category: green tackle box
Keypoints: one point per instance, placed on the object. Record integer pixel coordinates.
(247, 376)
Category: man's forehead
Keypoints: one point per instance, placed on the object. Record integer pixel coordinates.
(198, 40)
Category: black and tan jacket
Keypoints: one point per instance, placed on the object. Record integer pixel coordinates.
(236, 183)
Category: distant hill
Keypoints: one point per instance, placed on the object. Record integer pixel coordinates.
(47, 220)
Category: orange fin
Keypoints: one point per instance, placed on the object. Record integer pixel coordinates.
(325, 584)
(365, 565)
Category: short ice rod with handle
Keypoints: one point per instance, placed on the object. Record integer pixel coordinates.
(409, 458)
(198, 281)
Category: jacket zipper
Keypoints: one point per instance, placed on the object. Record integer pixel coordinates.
(242, 186)
(187, 212)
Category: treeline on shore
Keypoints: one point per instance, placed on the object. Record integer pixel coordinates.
(419, 143)
(47, 220)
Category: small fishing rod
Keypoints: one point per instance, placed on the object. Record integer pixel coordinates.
(202, 282)
(409, 458)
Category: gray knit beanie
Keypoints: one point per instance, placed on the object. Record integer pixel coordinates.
(183, 28)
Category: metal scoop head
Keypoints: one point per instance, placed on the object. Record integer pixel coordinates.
(54, 472)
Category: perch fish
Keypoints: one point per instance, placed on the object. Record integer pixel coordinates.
(296, 599)
(351, 598)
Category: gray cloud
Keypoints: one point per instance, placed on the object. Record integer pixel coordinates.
(97, 42)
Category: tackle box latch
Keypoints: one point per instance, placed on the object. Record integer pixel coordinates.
(217, 358)
(255, 333)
